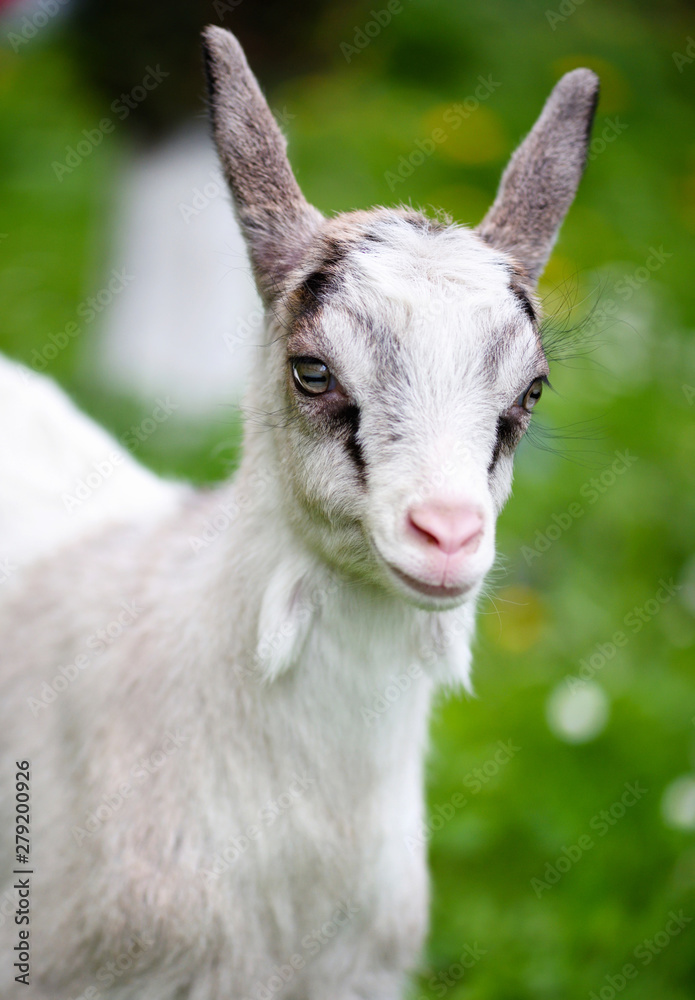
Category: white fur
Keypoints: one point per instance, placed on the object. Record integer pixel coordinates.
(262, 636)
(193, 675)
(47, 447)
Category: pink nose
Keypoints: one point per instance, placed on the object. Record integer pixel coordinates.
(450, 527)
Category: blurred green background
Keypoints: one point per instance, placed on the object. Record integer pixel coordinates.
(585, 660)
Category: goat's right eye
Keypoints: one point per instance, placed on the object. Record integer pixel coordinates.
(311, 376)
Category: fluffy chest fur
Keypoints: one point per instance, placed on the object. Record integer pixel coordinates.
(262, 811)
(224, 700)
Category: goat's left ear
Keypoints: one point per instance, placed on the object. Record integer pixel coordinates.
(274, 216)
(542, 177)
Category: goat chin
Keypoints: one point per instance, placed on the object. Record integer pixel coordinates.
(222, 696)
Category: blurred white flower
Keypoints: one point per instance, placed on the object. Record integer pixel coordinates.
(678, 803)
(577, 715)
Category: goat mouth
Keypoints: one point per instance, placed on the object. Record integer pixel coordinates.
(428, 589)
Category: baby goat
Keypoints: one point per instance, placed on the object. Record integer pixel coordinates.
(214, 816)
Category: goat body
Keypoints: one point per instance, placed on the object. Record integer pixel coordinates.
(218, 811)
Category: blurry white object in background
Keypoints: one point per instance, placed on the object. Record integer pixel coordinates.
(678, 803)
(188, 321)
(577, 715)
(62, 475)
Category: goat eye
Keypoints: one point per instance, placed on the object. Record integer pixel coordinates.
(528, 399)
(311, 376)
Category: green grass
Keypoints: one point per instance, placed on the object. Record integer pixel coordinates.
(626, 385)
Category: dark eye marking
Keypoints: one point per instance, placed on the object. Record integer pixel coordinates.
(325, 401)
(512, 424)
(509, 432)
(349, 419)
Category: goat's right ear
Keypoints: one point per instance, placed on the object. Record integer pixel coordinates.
(274, 216)
(542, 177)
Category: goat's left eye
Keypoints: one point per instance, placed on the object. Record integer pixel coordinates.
(528, 399)
(311, 376)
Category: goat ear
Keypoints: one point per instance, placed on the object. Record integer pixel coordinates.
(274, 216)
(542, 177)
